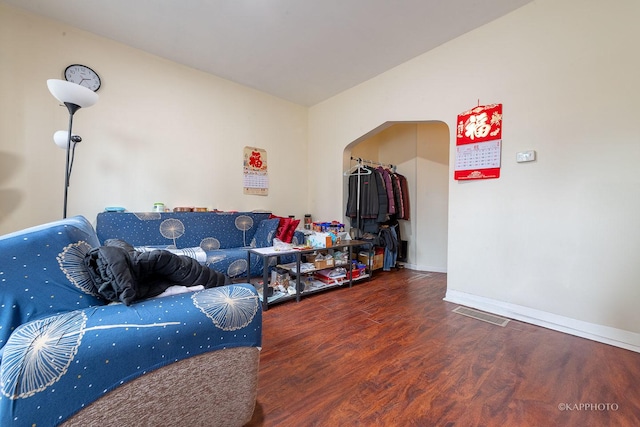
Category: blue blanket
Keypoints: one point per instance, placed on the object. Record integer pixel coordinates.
(54, 366)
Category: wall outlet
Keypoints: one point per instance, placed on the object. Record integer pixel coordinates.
(526, 156)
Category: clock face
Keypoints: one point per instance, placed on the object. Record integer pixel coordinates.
(82, 75)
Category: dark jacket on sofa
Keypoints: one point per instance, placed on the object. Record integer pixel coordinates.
(120, 273)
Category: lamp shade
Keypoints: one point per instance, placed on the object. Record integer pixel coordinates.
(61, 138)
(67, 92)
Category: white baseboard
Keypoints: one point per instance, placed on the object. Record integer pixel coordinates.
(423, 268)
(604, 334)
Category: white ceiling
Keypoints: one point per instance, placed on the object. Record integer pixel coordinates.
(304, 51)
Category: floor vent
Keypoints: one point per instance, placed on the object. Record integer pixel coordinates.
(481, 315)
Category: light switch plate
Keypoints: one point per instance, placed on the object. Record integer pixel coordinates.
(525, 156)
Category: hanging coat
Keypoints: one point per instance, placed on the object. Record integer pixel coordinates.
(368, 190)
(404, 194)
(386, 176)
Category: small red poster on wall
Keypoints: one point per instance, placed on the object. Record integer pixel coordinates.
(256, 179)
(479, 143)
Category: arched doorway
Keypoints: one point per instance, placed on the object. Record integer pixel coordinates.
(420, 152)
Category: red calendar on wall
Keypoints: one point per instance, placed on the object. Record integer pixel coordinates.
(479, 143)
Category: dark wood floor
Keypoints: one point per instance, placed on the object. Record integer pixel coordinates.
(390, 352)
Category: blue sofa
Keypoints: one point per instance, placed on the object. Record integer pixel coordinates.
(69, 358)
(224, 236)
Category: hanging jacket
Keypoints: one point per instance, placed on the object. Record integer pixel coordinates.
(383, 201)
(404, 195)
(397, 195)
(386, 176)
(368, 191)
(388, 239)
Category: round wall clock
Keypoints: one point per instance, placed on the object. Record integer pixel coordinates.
(82, 75)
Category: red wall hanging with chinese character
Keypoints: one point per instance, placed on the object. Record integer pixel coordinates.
(256, 179)
(478, 143)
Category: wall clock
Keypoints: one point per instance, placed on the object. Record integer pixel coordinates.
(82, 75)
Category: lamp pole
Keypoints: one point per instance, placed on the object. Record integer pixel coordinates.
(72, 109)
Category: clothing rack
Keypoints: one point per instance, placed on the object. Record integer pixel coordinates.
(371, 162)
(390, 229)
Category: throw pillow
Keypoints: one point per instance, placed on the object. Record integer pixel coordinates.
(286, 228)
(265, 233)
(282, 228)
(291, 229)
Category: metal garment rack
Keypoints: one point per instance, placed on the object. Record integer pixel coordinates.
(371, 162)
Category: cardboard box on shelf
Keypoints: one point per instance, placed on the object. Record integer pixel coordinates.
(320, 240)
(323, 263)
(377, 262)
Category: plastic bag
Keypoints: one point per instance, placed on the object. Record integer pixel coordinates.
(279, 245)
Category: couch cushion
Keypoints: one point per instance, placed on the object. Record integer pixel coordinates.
(42, 272)
(265, 233)
(233, 262)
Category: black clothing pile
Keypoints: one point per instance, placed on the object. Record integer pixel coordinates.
(120, 273)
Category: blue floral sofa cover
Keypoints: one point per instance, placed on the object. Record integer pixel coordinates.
(224, 236)
(61, 347)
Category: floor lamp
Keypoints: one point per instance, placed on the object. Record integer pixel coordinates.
(74, 97)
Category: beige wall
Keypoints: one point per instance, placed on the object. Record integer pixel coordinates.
(555, 241)
(160, 132)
